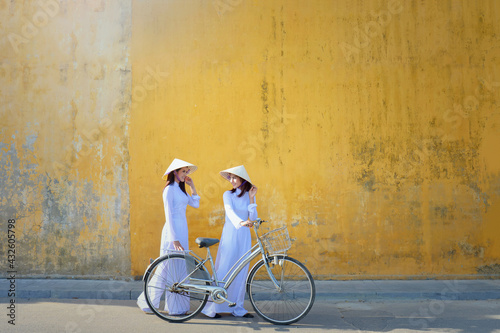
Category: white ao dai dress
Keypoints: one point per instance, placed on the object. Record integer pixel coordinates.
(235, 241)
(175, 229)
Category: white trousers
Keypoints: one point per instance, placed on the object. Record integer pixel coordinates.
(165, 275)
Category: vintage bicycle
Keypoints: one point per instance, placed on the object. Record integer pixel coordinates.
(280, 288)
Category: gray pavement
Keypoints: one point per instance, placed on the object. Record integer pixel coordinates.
(395, 316)
(364, 290)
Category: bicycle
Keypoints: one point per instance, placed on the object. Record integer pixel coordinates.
(280, 288)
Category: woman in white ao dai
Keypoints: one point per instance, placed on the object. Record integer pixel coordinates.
(235, 241)
(174, 236)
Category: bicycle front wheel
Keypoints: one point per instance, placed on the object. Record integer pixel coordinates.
(289, 302)
(165, 297)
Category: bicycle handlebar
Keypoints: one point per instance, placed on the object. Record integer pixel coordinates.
(259, 221)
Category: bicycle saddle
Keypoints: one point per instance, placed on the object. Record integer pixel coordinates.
(206, 242)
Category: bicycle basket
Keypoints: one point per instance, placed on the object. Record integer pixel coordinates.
(277, 240)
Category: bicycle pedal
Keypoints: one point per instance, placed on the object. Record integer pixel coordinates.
(220, 296)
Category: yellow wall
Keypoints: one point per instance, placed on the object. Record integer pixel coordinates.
(371, 129)
(64, 78)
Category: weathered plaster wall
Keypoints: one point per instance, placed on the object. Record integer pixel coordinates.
(370, 127)
(65, 88)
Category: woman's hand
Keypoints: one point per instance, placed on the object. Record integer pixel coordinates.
(246, 223)
(189, 181)
(252, 192)
(178, 246)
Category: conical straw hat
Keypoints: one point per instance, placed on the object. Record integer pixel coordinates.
(238, 171)
(177, 164)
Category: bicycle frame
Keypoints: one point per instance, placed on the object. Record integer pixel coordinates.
(280, 288)
(251, 254)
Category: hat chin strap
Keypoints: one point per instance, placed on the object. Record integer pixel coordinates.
(244, 182)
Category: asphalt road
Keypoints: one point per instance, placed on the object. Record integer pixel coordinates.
(75, 315)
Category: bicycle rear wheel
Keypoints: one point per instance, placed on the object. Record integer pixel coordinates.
(292, 301)
(164, 297)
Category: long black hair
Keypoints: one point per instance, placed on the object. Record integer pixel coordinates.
(244, 188)
(171, 180)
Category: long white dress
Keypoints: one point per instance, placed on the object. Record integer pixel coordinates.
(175, 229)
(235, 241)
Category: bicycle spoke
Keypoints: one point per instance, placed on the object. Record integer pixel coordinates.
(288, 303)
(263, 286)
(164, 297)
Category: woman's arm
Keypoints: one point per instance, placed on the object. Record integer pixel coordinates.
(252, 207)
(168, 203)
(228, 207)
(194, 198)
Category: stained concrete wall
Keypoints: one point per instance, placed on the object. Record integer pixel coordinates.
(65, 89)
(370, 128)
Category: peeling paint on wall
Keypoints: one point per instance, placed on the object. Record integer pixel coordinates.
(370, 129)
(64, 171)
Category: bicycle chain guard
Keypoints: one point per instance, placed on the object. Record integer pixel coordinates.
(219, 296)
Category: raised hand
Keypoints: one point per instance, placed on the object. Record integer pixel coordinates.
(189, 181)
(252, 192)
